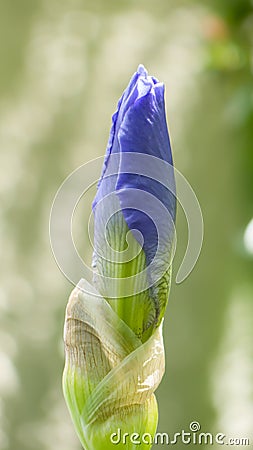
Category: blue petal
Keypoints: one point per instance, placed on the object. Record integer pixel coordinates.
(139, 126)
(139, 84)
(144, 130)
(124, 103)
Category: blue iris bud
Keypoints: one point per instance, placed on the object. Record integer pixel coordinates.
(136, 193)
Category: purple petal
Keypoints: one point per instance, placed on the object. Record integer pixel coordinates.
(139, 126)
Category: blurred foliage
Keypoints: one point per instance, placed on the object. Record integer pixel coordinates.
(229, 44)
(233, 11)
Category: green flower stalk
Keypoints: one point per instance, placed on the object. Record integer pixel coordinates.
(113, 329)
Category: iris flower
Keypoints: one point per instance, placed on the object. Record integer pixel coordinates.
(113, 329)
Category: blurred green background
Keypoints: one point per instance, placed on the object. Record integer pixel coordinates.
(64, 64)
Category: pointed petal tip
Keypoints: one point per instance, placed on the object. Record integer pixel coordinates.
(143, 74)
(142, 71)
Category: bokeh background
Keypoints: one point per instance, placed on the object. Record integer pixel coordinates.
(64, 64)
